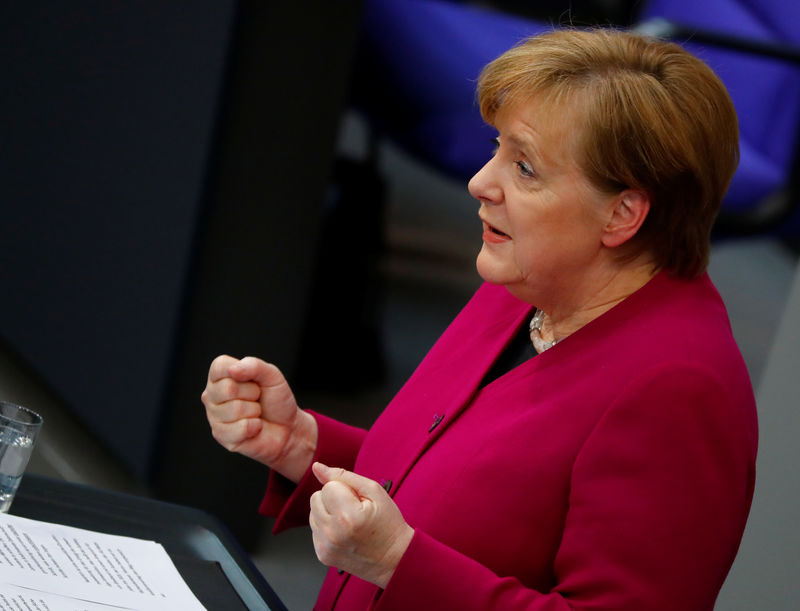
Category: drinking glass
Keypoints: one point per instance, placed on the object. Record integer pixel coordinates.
(19, 429)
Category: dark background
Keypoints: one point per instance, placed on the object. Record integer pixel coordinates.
(163, 168)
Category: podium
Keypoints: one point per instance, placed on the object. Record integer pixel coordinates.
(210, 560)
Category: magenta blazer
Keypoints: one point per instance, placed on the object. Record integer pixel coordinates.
(614, 471)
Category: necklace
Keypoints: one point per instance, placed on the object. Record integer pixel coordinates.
(536, 333)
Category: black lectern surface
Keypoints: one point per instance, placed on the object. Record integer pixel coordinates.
(211, 561)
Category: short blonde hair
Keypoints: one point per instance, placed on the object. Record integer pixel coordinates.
(651, 117)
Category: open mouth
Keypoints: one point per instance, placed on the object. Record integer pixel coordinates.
(495, 230)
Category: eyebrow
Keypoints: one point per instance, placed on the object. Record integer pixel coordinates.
(527, 145)
(519, 142)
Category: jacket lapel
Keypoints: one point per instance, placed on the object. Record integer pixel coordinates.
(453, 370)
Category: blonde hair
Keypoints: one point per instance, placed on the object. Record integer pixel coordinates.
(651, 116)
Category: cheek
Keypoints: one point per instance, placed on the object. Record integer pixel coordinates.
(535, 255)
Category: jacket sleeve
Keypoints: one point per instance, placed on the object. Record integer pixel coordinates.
(659, 496)
(337, 446)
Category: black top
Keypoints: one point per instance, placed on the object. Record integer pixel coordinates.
(517, 352)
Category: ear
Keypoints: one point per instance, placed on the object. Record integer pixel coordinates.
(628, 212)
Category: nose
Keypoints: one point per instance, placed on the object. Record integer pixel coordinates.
(484, 185)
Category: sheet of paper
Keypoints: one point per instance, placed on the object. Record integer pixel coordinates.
(24, 599)
(73, 569)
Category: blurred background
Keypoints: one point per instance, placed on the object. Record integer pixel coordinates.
(187, 179)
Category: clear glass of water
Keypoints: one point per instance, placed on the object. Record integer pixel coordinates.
(19, 429)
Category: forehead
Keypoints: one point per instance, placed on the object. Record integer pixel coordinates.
(553, 127)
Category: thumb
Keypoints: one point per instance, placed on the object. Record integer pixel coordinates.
(254, 369)
(324, 473)
(362, 486)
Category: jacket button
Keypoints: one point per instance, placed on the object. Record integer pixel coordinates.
(340, 571)
(387, 484)
(437, 418)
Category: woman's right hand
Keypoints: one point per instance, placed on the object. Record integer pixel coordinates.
(252, 411)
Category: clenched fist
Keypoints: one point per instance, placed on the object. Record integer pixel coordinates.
(356, 526)
(252, 411)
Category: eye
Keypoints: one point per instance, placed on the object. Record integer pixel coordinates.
(525, 169)
(495, 145)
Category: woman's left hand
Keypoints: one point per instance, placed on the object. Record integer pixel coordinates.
(356, 525)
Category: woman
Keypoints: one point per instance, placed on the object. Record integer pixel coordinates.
(613, 470)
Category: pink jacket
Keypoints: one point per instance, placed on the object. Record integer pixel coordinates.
(614, 471)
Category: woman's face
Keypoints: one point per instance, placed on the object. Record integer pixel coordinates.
(542, 219)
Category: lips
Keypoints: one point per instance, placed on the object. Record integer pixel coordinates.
(493, 235)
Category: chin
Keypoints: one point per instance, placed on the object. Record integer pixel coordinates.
(490, 271)
(484, 269)
(495, 273)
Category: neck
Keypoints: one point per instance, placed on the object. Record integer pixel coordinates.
(559, 322)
